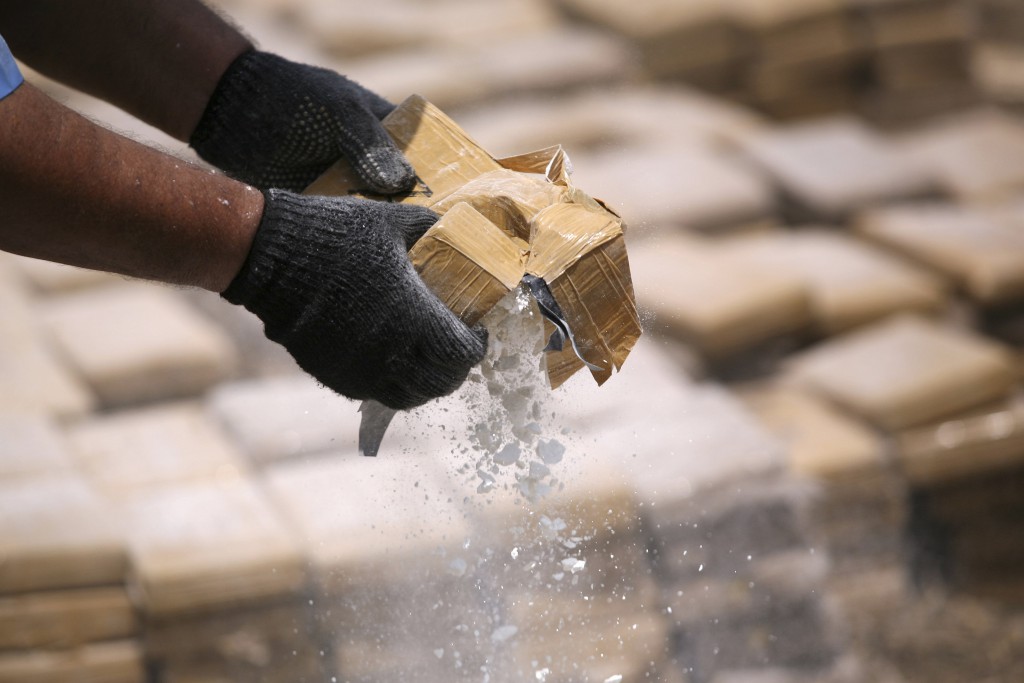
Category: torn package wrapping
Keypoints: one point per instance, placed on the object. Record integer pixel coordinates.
(513, 220)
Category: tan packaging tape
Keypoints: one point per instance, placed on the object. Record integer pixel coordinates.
(503, 219)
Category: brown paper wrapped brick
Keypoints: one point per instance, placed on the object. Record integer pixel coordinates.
(980, 442)
(906, 371)
(117, 661)
(65, 618)
(504, 219)
(57, 532)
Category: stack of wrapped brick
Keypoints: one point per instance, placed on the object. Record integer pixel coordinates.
(216, 585)
(802, 57)
(859, 509)
(32, 379)
(744, 302)
(975, 514)
(830, 168)
(385, 548)
(65, 612)
(731, 315)
(894, 60)
(999, 52)
(470, 53)
(414, 576)
(221, 583)
(589, 605)
(972, 453)
(695, 42)
(975, 156)
(217, 579)
(739, 583)
(919, 57)
(911, 378)
(978, 248)
(586, 605)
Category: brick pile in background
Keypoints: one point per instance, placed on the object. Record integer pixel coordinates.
(893, 61)
(853, 428)
(999, 53)
(64, 603)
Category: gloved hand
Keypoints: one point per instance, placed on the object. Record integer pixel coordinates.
(332, 282)
(274, 123)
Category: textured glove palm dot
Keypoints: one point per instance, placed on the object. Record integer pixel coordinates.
(274, 123)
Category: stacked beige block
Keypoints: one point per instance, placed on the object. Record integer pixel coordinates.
(803, 56)
(905, 372)
(920, 57)
(859, 510)
(586, 607)
(742, 302)
(975, 155)
(462, 52)
(946, 398)
(683, 186)
(696, 42)
(849, 283)
(999, 52)
(418, 575)
(727, 531)
(976, 514)
(829, 168)
(216, 578)
(661, 157)
(894, 60)
(392, 566)
(981, 249)
(400, 24)
(222, 585)
(33, 378)
(969, 470)
(65, 613)
(284, 418)
(730, 313)
(627, 115)
(136, 342)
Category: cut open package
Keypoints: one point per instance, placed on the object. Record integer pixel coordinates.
(510, 221)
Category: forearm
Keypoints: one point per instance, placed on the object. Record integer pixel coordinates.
(157, 59)
(76, 193)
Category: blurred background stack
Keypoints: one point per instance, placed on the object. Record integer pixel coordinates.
(810, 469)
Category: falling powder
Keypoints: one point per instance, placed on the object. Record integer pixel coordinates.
(503, 633)
(507, 436)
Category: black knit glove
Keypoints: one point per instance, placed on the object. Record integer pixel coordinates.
(332, 282)
(274, 123)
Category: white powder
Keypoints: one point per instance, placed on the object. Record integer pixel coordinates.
(573, 564)
(508, 455)
(507, 436)
(550, 451)
(503, 633)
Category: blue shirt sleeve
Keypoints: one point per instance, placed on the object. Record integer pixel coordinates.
(10, 76)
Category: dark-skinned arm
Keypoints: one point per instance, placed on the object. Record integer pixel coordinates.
(329, 276)
(159, 60)
(77, 193)
(179, 66)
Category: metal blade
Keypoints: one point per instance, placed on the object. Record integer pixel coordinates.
(372, 426)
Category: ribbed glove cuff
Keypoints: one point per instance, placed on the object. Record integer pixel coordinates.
(276, 276)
